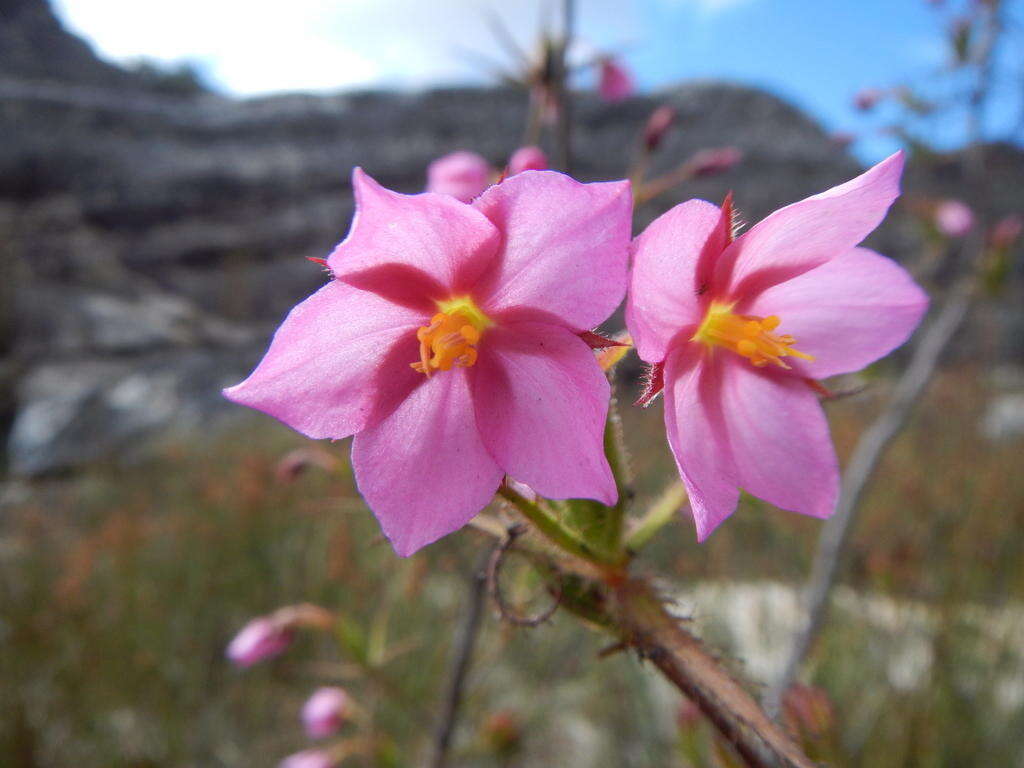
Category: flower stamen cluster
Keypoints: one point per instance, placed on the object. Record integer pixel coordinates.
(748, 335)
(452, 336)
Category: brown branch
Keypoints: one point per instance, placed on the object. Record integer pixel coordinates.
(629, 609)
(646, 625)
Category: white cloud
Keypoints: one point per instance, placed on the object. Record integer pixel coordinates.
(251, 47)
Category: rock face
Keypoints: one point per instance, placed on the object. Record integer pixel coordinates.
(151, 242)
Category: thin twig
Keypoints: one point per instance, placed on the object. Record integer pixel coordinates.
(866, 456)
(465, 643)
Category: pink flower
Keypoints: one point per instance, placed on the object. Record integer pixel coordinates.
(953, 218)
(527, 159)
(310, 758)
(325, 711)
(463, 175)
(260, 639)
(447, 343)
(738, 330)
(615, 82)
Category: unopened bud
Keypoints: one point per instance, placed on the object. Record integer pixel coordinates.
(615, 82)
(502, 732)
(259, 640)
(842, 139)
(689, 715)
(708, 162)
(808, 709)
(268, 636)
(463, 175)
(867, 99)
(310, 758)
(325, 712)
(1006, 231)
(658, 125)
(953, 218)
(296, 462)
(527, 159)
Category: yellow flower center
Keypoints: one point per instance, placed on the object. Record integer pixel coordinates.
(452, 336)
(747, 335)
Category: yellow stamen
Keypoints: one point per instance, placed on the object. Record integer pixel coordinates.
(452, 336)
(748, 336)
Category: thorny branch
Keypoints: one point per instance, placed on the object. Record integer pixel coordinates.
(645, 624)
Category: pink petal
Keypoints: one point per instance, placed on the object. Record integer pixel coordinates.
(565, 246)
(695, 425)
(779, 439)
(429, 239)
(541, 404)
(847, 313)
(463, 175)
(801, 236)
(337, 363)
(671, 265)
(424, 470)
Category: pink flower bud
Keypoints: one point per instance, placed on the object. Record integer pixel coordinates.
(325, 711)
(260, 639)
(463, 175)
(689, 715)
(708, 162)
(1007, 230)
(866, 99)
(527, 159)
(842, 139)
(953, 218)
(615, 82)
(808, 709)
(658, 125)
(310, 758)
(503, 731)
(295, 462)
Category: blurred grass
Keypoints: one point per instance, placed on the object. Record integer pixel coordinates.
(120, 588)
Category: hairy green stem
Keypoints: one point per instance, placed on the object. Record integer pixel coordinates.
(615, 450)
(660, 513)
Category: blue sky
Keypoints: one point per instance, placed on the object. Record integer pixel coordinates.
(816, 54)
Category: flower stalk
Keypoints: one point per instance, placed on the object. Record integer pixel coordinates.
(658, 515)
